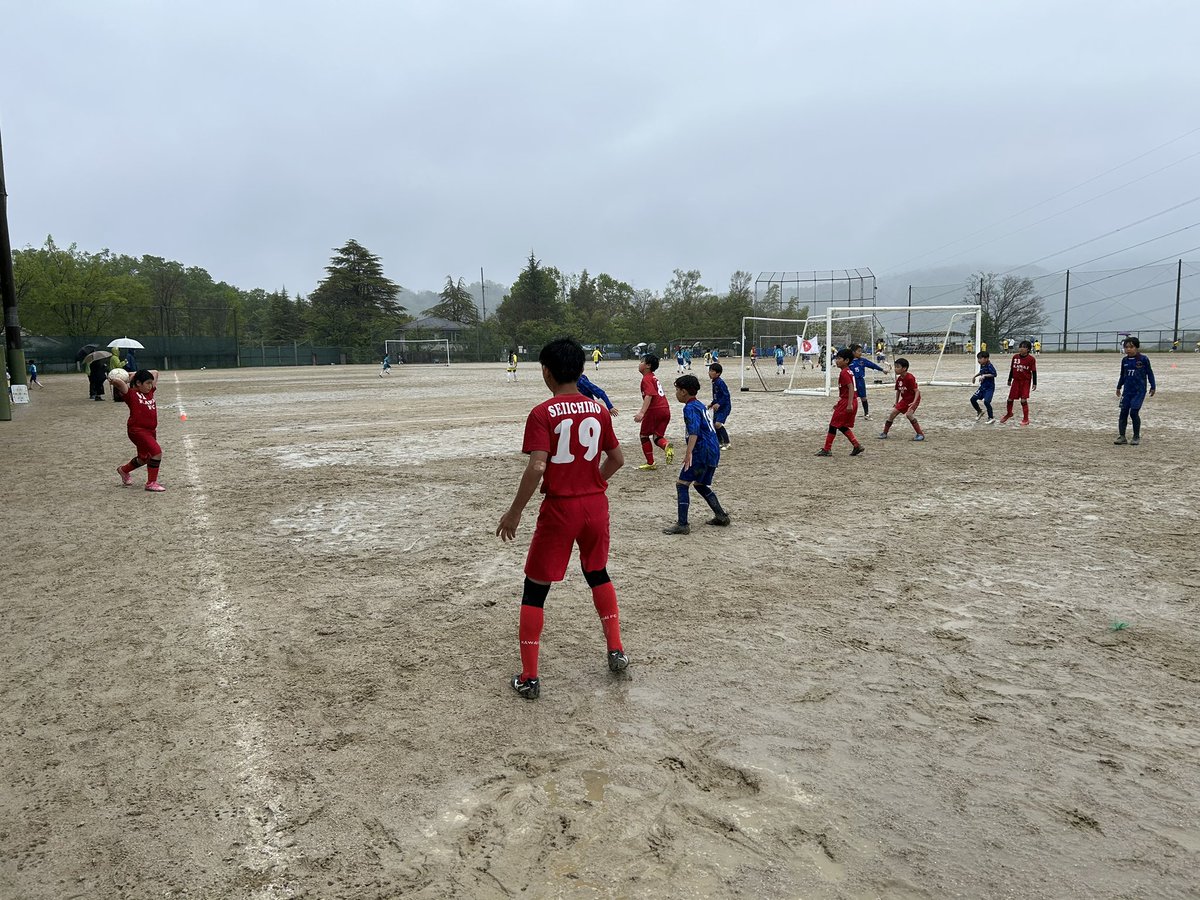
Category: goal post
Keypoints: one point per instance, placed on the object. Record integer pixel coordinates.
(428, 352)
(765, 333)
(938, 341)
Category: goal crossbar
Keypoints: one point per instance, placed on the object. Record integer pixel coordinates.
(974, 313)
(418, 351)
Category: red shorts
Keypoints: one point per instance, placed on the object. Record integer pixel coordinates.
(563, 522)
(843, 418)
(146, 442)
(1019, 390)
(655, 422)
(903, 407)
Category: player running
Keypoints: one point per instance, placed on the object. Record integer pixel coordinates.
(908, 398)
(655, 414)
(846, 407)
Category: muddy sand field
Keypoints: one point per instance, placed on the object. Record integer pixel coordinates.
(963, 668)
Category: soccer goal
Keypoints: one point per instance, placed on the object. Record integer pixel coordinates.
(431, 352)
(939, 342)
(762, 334)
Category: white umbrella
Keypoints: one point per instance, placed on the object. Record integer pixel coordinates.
(126, 343)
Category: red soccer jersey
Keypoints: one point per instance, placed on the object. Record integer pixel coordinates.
(1023, 370)
(573, 430)
(906, 388)
(652, 389)
(847, 398)
(143, 413)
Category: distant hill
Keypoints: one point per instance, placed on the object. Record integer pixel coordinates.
(419, 302)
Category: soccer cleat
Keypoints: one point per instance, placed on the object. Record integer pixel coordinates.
(1004, 418)
(155, 487)
(720, 520)
(991, 421)
(529, 688)
(978, 418)
(647, 467)
(866, 417)
(883, 435)
(858, 449)
(1136, 441)
(824, 452)
(1121, 440)
(726, 446)
(918, 437)
(670, 453)
(125, 479)
(617, 661)
(1024, 422)
(677, 529)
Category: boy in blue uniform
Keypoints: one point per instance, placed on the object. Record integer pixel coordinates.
(700, 457)
(858, 368)
(1131, 389)
(987, 386)
(721, 405)
(779, 369)
(593, 392)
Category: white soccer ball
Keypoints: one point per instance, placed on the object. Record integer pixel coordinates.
(119, 375)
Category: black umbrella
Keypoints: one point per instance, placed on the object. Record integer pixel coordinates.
(85, 350)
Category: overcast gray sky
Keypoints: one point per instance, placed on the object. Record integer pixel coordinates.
(633, 138)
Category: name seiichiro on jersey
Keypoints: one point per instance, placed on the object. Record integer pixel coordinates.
(573, 431)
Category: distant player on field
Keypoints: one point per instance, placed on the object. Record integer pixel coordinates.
(565, 437)
(597, 355)
(1022, 378)
(142, 425)
(846, 407)
(779, 357)
(721, 405)
(510, 373)
(987, 387)
(679, 359)
(655, 414)
(908, 398)
(700, 457)
(858, 368)
(1136, 374)
(385, 368)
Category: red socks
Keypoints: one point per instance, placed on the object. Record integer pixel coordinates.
(648, 449)
(850, 434)
(529, 630)
(604, 598)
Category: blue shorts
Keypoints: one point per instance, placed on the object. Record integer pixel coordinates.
(698, 474)
(721, 414)
(860, 389)
(984, 394)
(1132, 402)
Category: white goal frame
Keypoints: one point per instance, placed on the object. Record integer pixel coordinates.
(845, 313)
(394, 347)
(800, 334)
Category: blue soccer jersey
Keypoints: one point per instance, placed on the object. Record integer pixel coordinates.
(779, 356)
(1135, 375)
(858, 368)
(721, 399)
(696, 421)
(987, 386)
(588, 389)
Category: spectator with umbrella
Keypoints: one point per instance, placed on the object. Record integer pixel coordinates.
(95, 363)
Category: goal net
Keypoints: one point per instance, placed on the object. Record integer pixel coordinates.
(761, 335)
(431, 352)
(939, 342)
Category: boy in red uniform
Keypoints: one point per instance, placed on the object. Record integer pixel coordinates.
(564, 437)
(846, 408)
(908, 398)
(142, 426)
(1022, 378)
(655, 414)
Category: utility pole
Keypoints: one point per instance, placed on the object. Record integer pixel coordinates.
(908, 329)
(14, 355)
(1178, 288)
(1066, 306)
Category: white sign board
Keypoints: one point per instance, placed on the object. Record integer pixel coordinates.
(20, 393)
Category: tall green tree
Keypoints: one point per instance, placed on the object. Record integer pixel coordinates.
(533, 312)
(355, 303)
(456, 303)
(71, 292)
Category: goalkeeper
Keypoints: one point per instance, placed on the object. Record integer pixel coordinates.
(858, 368)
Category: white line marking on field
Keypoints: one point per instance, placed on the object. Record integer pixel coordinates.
(270, 849)
(332, 426)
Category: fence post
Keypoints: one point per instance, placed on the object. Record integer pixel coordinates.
(1066, 306)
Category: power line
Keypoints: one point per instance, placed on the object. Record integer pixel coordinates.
(1048, 200)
